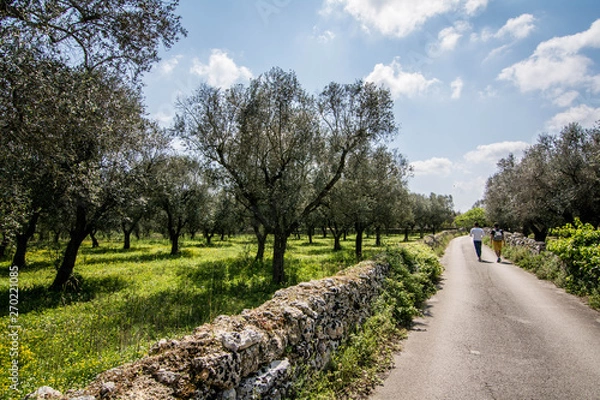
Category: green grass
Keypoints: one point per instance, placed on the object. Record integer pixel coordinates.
(126, 300)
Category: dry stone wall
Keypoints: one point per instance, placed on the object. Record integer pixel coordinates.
(519, 240)
(254, 355)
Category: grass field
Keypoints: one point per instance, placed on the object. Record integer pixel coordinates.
(126, 300)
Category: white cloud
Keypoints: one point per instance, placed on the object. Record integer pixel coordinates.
(433, 166)
(565, 45)
(456, 86)
(518, 28)
(221, 71)
(449, 37)
(399, 18)
(323, 37)
(497, 52)
(488, 93)
(585, 115)
(491, 153)
(557, 64)
(543, 73)
(473, 6)
(564, 99)
(166, 67)
(398, 81)
(485, 35)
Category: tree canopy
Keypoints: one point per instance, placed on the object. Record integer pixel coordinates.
(279, 149)
(555, 182)
(121, 35)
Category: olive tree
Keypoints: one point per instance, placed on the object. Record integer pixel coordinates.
(441, 211)
(555, 182)
(180, 192)
(279, 149)
(97, 158)
(371, 193)
(49, 51)
(392, 206)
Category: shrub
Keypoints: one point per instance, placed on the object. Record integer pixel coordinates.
(578, 246)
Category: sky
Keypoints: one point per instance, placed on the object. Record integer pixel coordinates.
(472, 80)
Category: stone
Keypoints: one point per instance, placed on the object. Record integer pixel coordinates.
(259, 386)
(236, 341)
(166, 377)
(44, 392)
(107, 388)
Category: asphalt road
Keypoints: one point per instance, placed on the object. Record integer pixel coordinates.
(494, 331)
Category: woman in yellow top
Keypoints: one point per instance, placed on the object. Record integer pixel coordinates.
(497, 236)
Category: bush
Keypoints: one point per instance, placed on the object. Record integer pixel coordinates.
(578, 246)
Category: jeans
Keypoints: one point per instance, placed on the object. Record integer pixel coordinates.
(477, 244)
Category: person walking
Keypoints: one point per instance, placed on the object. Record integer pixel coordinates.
(497, 236)
(477, 234)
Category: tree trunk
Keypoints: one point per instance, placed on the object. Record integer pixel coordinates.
(174, 237)
(336, 242)
(378, 237)
(22, 240)
(174, 229)
(128, 230)
(95, 243)
(337, 233)
(358, 242)
(77, 235)
(208, 237)
(539, 235)
(20, 250)
(279, 246)
(261, 237)
(126, 239)
(3, 245)
(406, 234)
(65, 271)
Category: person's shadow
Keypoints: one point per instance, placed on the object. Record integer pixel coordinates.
(506, 262)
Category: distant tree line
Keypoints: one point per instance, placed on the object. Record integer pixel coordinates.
(556, 182)
(79, 156)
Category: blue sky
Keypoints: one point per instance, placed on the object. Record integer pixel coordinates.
(472, 80)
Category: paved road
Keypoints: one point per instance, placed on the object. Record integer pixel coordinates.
(494, 331)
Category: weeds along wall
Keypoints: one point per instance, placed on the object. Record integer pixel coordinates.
(254, 355)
